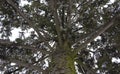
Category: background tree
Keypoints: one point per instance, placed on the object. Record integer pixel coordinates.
(64, 37)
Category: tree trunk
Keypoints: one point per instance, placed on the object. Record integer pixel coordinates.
(63, 64)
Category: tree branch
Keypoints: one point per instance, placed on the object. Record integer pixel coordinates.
(96, 33)
(13, 44)
(10, 72)
(53, 6)
(69, 13)
(28, 21)
(24, 16)
(20, 63)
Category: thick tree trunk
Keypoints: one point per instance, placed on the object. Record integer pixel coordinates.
(63, 64)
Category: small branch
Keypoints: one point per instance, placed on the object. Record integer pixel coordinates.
(53, 6)
(20, 63)
(12, 44)
(28, 21)
(24, 16)
(10, 72)
(69, 13)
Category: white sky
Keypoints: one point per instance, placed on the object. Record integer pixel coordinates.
(24, 2)
(15, 33)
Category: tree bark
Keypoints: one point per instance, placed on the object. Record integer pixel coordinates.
(63, 64)
(63, 61)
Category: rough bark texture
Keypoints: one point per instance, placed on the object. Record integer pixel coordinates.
(64, 64)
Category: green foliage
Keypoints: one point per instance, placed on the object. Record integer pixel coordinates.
(74, 22)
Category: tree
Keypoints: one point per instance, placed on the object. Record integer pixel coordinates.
(63, 40)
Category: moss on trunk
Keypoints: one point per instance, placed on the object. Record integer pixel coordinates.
(63, 64)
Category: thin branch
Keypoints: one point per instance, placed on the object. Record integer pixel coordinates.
(28, 21)
(10, 72)
(78, 11)
(53, 6)
(24, 16)
(69, 13)
(27, 65)
(96, 33)
(13, 44)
